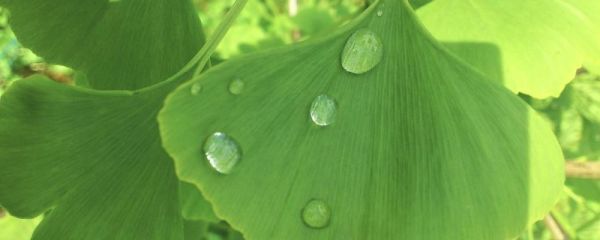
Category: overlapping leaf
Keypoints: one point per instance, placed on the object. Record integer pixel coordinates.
(16, 229)
(423, 146)
(93, 158)
(542, 43)
(126, 44)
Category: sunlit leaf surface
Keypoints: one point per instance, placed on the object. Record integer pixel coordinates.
(420, 146)
(540, 43)
(127, 44)
(12, 228)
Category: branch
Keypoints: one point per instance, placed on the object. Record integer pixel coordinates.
(584, 170)
(554, 228)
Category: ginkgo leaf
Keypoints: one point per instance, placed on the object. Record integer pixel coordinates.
(286, 144)
(12, 228)
(193, 205)
(93, 158)
(126, 44)
(542, 43)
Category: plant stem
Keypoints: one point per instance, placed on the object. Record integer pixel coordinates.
(215, 39)
(554, 228)
(584, 170)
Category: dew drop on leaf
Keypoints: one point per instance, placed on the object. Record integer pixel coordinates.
(222, 152)
(236, 87)
(316, 214)
(380, 12)
(323, 110)
(363, 51)
(196, 88)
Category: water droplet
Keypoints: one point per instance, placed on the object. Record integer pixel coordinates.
(222, 152)
(316, 214)
(323, 110)
(380, 12)
(363, 51)
(236, 87)
(196, 88)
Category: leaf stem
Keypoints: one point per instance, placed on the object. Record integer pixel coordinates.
(215, 39)
(203, 56)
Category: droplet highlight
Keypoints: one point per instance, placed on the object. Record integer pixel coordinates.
(380, 10)
(236, 87)
(196, 89)
(222, 152)
(363, 51)
(316, 214)
(323, 110)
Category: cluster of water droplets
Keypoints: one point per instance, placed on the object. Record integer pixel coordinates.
(363, 52)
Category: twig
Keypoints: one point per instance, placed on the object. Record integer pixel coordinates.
(293, 11)
(554, 228)
(584, 170)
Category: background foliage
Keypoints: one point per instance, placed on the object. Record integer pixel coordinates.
(575, 115)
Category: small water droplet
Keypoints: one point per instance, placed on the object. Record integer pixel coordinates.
(222, 152)
(316, 214)
(380, 12)
(196, 88)
(363, 51)
(323, 110)
(236, 87)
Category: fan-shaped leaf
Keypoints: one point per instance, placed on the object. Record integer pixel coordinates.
(542, 43)
(93, 158)
(126, 44)
(420, 147)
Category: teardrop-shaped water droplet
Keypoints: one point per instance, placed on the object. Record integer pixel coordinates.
(316, 214)
(236, 87)
(196, 88)
(380, 12)
(222, 152)
(363, 51)
(323, 110)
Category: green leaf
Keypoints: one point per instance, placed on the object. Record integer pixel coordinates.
(93, 158)
(589, 189)
(12, 228)
(195, 230)
(193, 204)
(118, 44)
(542, 43)
(422, 146)
(419, 3)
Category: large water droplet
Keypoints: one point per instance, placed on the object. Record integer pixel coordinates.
(316, 214)
(323, 110)
(236, 87)
(196, 88)
(363, 51)
(222, 152)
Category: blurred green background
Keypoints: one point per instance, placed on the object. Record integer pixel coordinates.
(264, 24)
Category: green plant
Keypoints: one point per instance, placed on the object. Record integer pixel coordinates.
(372, 131)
